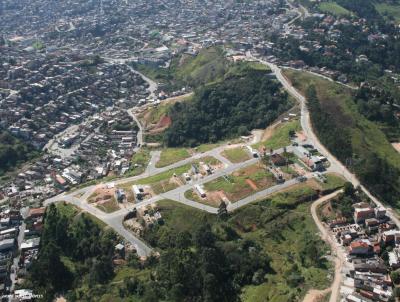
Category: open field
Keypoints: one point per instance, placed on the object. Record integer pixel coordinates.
(280, 136)
(239, 184)
(206, 147)
(139, 162)
(209, 160)
(333, 182)
(163, 176)
(334, 9)
(162, 182)
(108, 206)
(172, 155)
(236, 155)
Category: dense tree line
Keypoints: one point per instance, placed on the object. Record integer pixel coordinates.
(200, 267)
(226, 109)
(341, 52)
(78, 239)
(381, 178)
(13, 151)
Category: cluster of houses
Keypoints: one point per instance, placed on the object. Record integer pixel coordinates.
(371, 245)
(45, 94)
(137, 220)
(20, 230)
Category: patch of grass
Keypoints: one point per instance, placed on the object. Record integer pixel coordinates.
(163, 186)
(163, 176)
(38, 45)
(139, 162)
(109, 206)
(160, 183)
(206, 147)
(208, 66)
(387, 10)
(293, 196)
(71, 211)
(236, 185)
(124, 272)
(210, 160)
(66, 209)
(280, 137)
(181, 217)
(172, 155)
(192, 195)
(154, 114)
(236, 155)
(333, 9)
(333, 182)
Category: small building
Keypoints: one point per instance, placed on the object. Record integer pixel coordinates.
(372, 224)
(253, 152)
(138, 192)
(200, 191)
(394, 258)
(7, 244)
(120, 195)
(277, 159)
(206, 168)
(120, 249)
(360, 247)
(380, 212)
(391, 236)
(360, 214)
(36, 213)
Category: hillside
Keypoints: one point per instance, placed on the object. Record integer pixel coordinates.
(207, 66)
(246, 99)
(13, 152)
(75, 254)
(356, 141)
(254, 241)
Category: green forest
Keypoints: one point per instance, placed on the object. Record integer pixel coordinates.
(247, 99)
(75, 251)
(13, 151)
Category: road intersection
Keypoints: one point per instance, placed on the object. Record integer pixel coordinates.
(115, 220)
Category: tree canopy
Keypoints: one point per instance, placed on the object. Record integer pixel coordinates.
(226, 109)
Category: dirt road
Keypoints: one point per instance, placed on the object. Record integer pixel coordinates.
(316, 295)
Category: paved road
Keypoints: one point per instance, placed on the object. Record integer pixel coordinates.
(115, 219)
(324, 77)
(336, 165)
(139, 143)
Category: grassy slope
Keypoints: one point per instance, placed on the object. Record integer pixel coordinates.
(337, 100)
(280, 137)
(172, 155)
(236, 155)
(280, 237)
(334, 9)
(390, 10)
